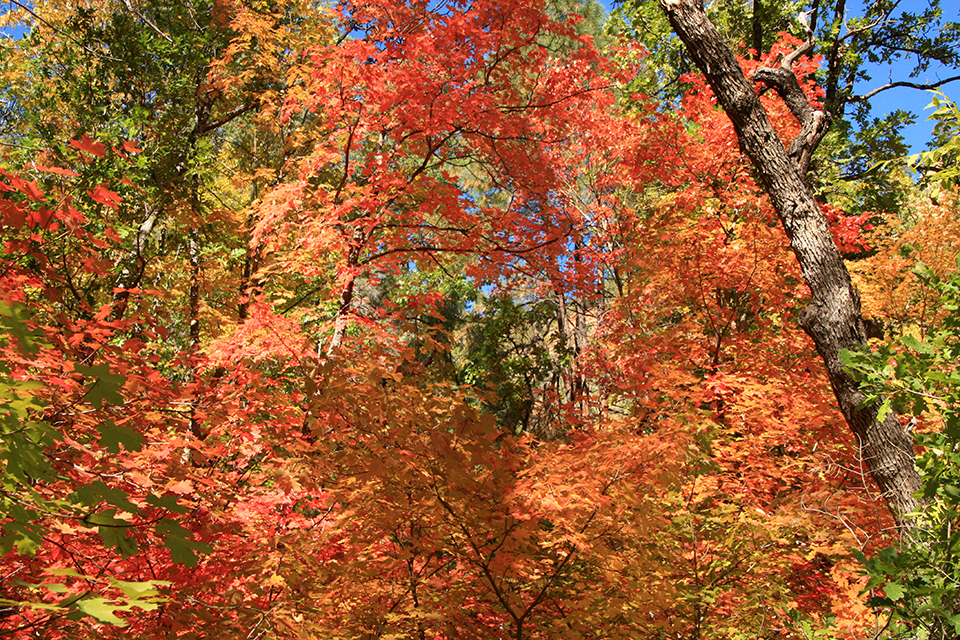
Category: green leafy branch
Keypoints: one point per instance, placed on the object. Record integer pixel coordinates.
(76, 603)
(918, 581)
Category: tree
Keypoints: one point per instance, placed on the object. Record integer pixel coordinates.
(81, 246)
(939, 164)
(60, 461)
(833, 318)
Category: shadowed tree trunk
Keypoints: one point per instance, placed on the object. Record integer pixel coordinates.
(833, 318)
(757, 22)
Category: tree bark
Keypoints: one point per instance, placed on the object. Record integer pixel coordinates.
(833, 318)
(757, 21)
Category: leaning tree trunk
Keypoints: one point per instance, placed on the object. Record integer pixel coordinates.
(833, 318)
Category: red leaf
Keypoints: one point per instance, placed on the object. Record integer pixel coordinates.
(58, 170)
(32, 189)
(89, 146)
(12, 215)
(105, 196)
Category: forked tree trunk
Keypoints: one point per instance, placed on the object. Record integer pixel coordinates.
(833, 318)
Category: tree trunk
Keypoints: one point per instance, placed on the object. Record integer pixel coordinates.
(134, 266)
(757, 21)
(832, 319)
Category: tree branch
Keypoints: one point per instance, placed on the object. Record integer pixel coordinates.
(813, 122)
(911, 85)
(207, 127)
(149, 22)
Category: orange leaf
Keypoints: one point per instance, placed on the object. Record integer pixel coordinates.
(183, 487)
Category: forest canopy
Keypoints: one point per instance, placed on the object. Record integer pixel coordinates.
(477, 319)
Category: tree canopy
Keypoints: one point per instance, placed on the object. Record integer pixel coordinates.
(481, 319)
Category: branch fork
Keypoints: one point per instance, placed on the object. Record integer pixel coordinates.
(813, 122)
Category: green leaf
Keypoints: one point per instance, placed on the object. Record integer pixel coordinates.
(26, 461)
(894, 591)
(39, 606)
(73, 573)
(113, 531)
(885, 409)
(137, 590)
(182, 550)
(956, 623)
(166, 502)
(102, 610)
(106, 387)
(112, 436)
(20, 537)
(917, 345)
(14, 320)
(96, 492)
(55, 587)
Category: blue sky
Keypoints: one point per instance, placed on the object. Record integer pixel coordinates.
(912, 99)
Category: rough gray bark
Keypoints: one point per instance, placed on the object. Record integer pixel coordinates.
(833, 318)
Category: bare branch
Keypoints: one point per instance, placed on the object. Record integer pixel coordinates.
(225, 118)
(911, 85)
(802, 50)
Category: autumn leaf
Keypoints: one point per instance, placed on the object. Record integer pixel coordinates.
(58, 170)
(89, 146)
(105, 196)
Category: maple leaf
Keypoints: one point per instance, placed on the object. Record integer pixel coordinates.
(461, 349)
(89, 146)
(31, 189)
(58, 170)
(105, 196)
